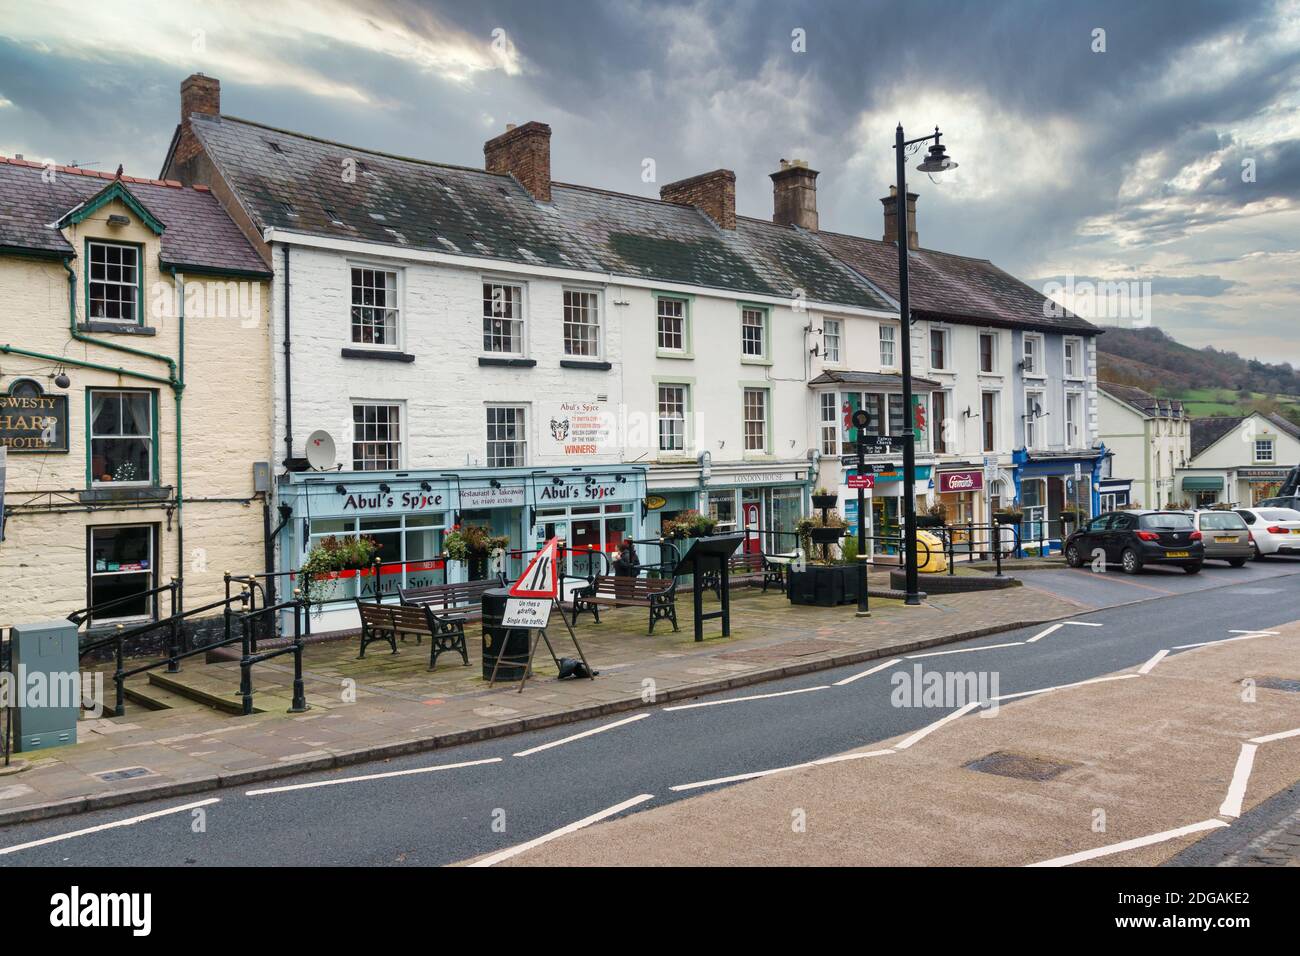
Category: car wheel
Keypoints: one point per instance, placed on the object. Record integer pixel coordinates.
(1131, 561)
(1192, 568)
(1237, 562)
(1259, 555)
(1072, 556)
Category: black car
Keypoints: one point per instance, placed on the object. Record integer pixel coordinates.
(1134, 539)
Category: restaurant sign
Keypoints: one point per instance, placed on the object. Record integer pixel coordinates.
(32, 422)
(955, 482)
(576, 429)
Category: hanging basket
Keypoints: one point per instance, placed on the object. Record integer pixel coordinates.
(826, 535)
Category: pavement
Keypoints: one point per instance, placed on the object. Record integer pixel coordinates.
(390, 705)
(1151, 751)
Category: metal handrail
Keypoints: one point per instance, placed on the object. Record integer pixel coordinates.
(81, 615)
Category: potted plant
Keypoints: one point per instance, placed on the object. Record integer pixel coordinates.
(823, 499)
(936, 516)
(1009, 516)
(473, 544)
(825, 528)
(1070, 516)
(318, 577)
(689, 524)
(829, 581)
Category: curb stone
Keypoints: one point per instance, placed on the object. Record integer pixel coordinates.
(404, 748)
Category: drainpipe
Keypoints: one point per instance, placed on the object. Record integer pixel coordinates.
(178, 391)
(288, 359)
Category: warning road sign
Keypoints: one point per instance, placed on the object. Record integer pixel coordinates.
(541, 578)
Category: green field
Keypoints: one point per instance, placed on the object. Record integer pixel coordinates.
(1201, 402)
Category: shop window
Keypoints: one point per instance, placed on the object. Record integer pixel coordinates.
(121, 572)
(122, 437)
(722, 506)
(113, 283)
(672, 417)
(507, 446)
(755, 411)
(374, 307)
(581, 323)
(376, 437)
(503, 318)
(409, 546)
(832, 332)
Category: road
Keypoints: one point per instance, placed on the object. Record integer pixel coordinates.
(460, 803)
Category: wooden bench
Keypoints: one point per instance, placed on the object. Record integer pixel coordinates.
(465, 597)
(386, 622)
(657, 594)
(749, 567)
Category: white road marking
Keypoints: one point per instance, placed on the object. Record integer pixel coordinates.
(737, 700)
(108, 826)
(1231, 806)
(496, 858)
(876, 669)
(840, 758)
(1155, 659)
(585, 733)
(1131, 844)
(1045, 690)
(1268, 739)
(931, 728)
(369, 776)
(1042, 634)
(964, 650)
(1259, 632)
(754, 775)
(1222, 640)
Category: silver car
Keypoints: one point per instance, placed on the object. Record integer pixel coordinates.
(1225, 536)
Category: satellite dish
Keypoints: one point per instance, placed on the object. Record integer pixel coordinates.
(320, 450)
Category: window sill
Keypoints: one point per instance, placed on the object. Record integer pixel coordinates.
(668, 354)
(594, 364)
(115, 328)
(383, 355)
(755, 361)
(107, 492)
(507, 362)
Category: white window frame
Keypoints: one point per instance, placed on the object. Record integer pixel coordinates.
(522, 409)
(148, 437)
(522, 320)
(890, 340)
(937, 436)
(684, 333)
(747, 326)
(680, 432)
(1074, 430)
(832, 329)
(377, 403)
(1272, 451)
(1034, 427)
(135, 286)
(396, 344)
(946, 336)
(993, 352)
(746, 421)
(598, 304)
(1038, 371)
(150, 573)
(988, 421)
(1077, 374)
(829, 423)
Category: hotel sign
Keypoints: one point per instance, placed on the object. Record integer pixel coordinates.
(32, 422)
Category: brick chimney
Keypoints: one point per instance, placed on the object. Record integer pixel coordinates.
(713, 193)
(524, 151)
(199, 94)
(794, 195)
(891, 218)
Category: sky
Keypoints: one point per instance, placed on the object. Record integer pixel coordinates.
(1098, 142)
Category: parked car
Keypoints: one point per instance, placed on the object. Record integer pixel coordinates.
(1273, 530)
(1225, 536)
(1286, 501)
(1135, 539)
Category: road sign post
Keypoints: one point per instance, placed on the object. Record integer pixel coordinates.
(861, 421)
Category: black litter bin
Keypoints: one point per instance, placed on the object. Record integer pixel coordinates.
(510, 643)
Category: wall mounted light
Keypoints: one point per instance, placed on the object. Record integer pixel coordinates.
(493, 483)
(339, 489)
(62, 380)
(557, 480)
(621, 479)
(589, 480)
(384, 487)
(425, 486)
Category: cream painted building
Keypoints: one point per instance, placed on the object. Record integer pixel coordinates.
(1150, 438)
(134, 382)
(1238, 460)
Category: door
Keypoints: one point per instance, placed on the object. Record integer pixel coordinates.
(1093, 536)
(752, 514)
(1117, 536)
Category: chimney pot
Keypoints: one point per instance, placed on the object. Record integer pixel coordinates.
(794, 195)
(891, 218)
(714, 194)
(525, 152)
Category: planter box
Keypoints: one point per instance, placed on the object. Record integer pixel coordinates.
(928, 521)
(1002, 518)
(826, 535)
(825, 501)
(824, 585)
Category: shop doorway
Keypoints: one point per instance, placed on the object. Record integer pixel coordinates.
(585, 529)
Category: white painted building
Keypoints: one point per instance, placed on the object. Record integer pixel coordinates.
(1238, 460)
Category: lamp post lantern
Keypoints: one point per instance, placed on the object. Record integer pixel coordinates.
(936, 162)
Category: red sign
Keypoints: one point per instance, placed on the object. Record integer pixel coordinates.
(955, 482)
(862, 481)
(540, 579)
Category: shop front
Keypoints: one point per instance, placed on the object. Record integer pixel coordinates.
(1047, 485)
(961, 492)
(410, 514)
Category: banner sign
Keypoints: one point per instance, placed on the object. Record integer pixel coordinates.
(532, 613)
(507, 496)
(31, 421)
(955, 482)
(576, 429)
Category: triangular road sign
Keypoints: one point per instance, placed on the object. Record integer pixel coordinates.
(541, 578)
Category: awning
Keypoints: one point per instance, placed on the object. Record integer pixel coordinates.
(1202, 483)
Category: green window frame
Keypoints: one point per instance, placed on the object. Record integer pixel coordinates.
(687, 384)
(687, 303)
(745, 389)
(117, 429)
(749, 329)
(110, 278)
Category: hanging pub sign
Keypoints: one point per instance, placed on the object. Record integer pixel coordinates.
(32, 422)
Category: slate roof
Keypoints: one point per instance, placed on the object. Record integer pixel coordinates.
(197, 235)
(955, 288)
(1206, 431)
(294, 182)
(874, 380)
(1143, 401)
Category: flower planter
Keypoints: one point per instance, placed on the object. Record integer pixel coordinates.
(1004, 517)
(825, 501)
(826, 535)
(929, 521)
(824, 585)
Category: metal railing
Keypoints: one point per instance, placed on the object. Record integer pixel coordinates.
(87, 614)
(249, 654)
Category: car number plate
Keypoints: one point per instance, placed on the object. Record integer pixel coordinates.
(1177, 554)
(1229, 538)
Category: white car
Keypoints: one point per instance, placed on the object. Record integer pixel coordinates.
(1273, 530)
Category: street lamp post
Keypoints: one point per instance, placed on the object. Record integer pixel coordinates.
(936, 162)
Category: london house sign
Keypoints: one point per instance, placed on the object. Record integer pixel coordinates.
(31, 421)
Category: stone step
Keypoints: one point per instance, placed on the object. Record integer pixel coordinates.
(219, 688)
(156, 697)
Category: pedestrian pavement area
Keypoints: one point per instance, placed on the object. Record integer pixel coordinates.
(390, 704)
(1127, 769)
